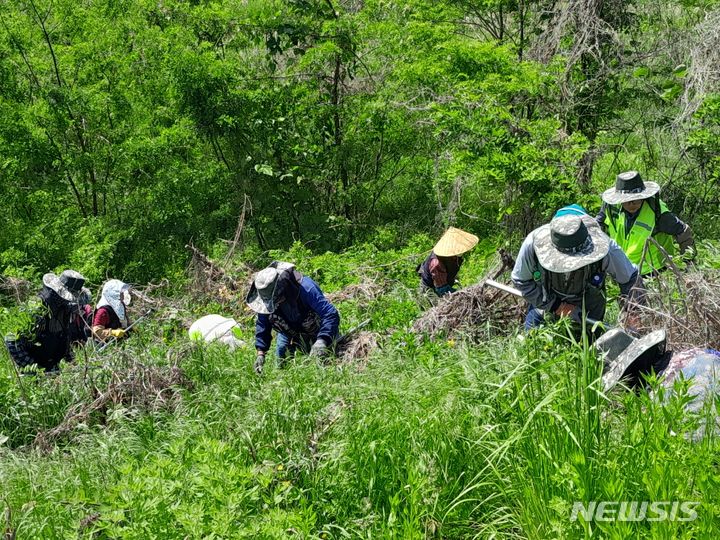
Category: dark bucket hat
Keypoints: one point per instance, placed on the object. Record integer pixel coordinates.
(629, 186)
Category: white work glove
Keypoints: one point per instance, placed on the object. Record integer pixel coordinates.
(319, 348)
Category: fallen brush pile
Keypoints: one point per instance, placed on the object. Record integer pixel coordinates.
(359, 346)
(140, 387)
(475, 311)
(472, 311)
(223, 284)
(687, 305)
(363, 293)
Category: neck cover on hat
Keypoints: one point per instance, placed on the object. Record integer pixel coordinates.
(112, 296)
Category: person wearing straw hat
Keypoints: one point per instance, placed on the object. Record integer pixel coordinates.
(294, 306)
(48, 340)
(632, 212)
(561, 269)
(440, 268)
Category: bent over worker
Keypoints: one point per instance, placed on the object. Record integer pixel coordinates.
(632, 360)
(49, 338)
(111, 319)
(440, 269)
(294, 306)
(632, 212)
(561, 268)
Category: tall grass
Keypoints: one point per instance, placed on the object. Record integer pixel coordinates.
(443, 439)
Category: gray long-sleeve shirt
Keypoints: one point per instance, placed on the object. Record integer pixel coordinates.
(527, 269)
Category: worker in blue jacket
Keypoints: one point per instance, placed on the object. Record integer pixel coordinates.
(294, 306)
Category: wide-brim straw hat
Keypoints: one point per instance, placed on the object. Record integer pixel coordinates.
(67, 285)
(570, 242)
(622, 352)
(455, 242)
(629, 186)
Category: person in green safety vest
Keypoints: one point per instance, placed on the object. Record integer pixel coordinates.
(632, 212)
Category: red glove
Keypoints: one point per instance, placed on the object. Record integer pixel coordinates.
(564, 310)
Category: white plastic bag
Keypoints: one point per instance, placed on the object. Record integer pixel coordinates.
(216, 328)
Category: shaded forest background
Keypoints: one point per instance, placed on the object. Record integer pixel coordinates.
(129, 128)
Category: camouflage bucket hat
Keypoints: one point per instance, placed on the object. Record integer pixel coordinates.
(622, 352)
(629, 186)
(67, 285)
(570, 242)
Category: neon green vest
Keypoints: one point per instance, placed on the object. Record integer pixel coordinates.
(632, 242)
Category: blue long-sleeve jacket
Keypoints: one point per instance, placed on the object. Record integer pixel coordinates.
(294, 311)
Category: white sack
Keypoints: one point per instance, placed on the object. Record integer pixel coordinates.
(216, 328)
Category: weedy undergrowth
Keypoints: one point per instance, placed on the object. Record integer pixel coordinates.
(440, 438)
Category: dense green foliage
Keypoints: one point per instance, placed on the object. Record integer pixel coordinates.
(342, 135)
(129, 128)
(426, 439)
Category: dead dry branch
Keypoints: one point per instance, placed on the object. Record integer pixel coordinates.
(19, 289)
(142, 299)
(469, 311)
(140, 387)
(246, 208)
(687, 305)
(586, 21)
(703, 75)
(164, 309)
(357, 348)
(211, 279)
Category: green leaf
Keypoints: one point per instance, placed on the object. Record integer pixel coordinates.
(680, 71)
(264, 168)
(671, 93)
